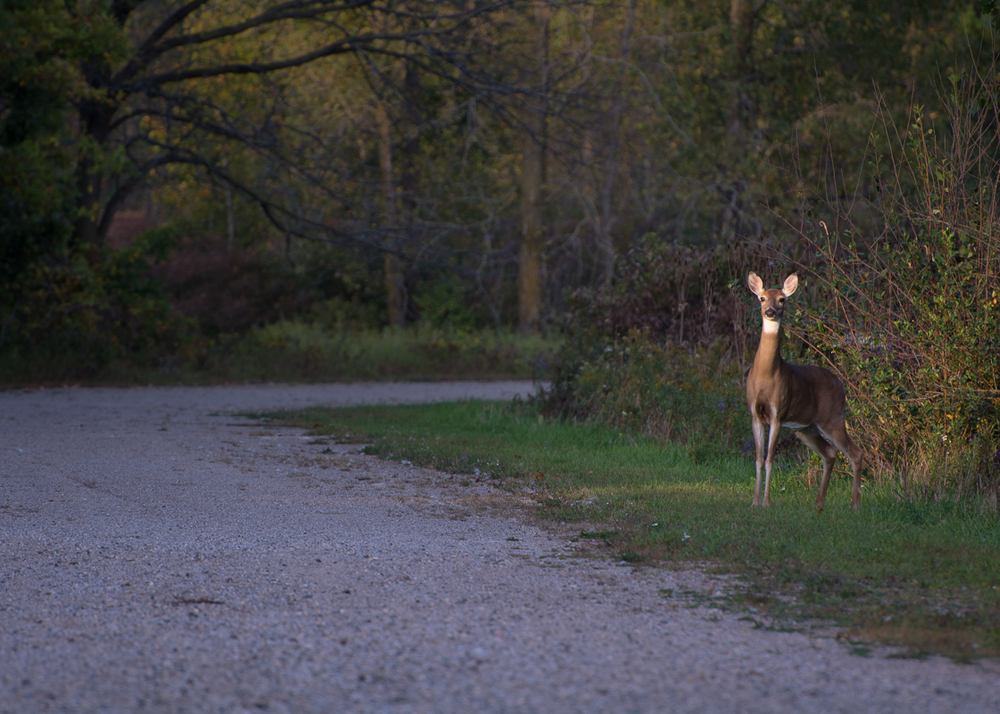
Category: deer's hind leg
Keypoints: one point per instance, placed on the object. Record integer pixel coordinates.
(811, 437)
(854, 454)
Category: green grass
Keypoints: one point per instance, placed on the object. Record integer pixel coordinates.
(922, 575)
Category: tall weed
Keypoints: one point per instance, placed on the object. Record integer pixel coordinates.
(910, 315)
(297, 351)
(665, 391)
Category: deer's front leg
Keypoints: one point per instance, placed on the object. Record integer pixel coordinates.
(772, 440)
(760, 446)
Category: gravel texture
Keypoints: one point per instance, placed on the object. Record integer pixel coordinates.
(161, 555)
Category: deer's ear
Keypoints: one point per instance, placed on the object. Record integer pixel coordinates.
(791, 284)
(755, 283)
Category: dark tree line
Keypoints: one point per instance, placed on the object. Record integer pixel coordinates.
(519, 147)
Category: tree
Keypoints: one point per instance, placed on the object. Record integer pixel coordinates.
(464, 138)
(178, 53)
(42, 53)
(137, 88)
(531, 267)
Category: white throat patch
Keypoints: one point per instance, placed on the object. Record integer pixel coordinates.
(771, 326)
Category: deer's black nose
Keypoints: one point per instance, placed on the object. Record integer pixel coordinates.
(769, 312)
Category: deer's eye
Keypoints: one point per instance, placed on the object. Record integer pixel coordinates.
(781, 300)
(762, 299)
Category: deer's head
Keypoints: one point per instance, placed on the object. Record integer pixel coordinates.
(772, 302)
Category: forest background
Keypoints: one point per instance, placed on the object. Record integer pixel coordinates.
(316, 189)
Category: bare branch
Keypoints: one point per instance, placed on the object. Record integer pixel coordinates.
(145, 51)
(295, 10)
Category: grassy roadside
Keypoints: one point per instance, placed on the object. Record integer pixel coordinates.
(924, 576)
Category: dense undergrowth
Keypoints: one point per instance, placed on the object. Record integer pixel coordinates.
(292, 351)
(899, 298)
(165, 310)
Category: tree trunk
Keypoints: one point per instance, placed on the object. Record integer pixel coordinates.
(395, 291)
(742, 16)
(531, 257)
(741, 20)
(230, 220)
(91, 227)
(606, 218)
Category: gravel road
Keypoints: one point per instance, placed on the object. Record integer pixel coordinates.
(161, 555)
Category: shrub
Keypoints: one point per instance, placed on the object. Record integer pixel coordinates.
(669, 392)
(295, 350)
(910, 316)
(77, 314)
(902, 303)
(668, 307)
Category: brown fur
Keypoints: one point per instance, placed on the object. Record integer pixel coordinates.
(808, 399)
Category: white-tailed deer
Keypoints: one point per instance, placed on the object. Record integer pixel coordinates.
(808, 400)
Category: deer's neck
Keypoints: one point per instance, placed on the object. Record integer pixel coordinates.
(768, 358)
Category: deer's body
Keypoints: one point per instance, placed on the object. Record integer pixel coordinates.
(809, 400)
